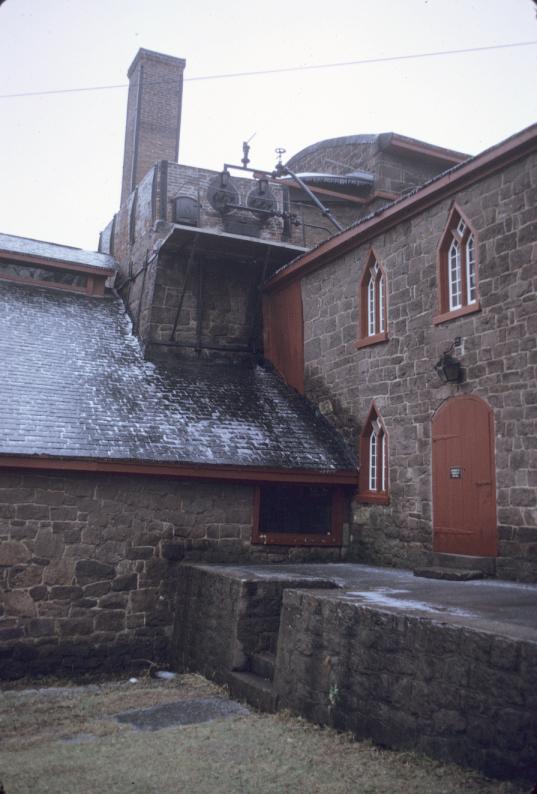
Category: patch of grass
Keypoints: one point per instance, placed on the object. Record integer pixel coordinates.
(252, 754)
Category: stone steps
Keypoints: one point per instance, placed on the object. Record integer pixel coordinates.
(451, 574)
(458, 567)
(465, 562)
(254, 690)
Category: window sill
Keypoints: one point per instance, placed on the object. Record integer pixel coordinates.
(282, 539)
(462, 312)
(367, 341)
(368, 497)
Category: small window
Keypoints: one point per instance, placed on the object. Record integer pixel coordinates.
(297, 515)
(374, 460)
(372, 298)
(457, 270)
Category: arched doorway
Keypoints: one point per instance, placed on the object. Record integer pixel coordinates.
(464, 478)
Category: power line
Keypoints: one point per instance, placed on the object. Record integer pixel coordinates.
(284, 69)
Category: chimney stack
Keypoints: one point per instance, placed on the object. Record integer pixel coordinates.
(153, 115)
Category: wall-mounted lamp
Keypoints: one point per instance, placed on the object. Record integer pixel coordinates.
(448, 369)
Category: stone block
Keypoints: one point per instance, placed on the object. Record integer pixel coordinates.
(59, 572)
(172, 551)
(110, 620)
(65, 593)
(70, 627)
(41, 627)
(13, 552)
(143, 600)
(38, 593)
(88, 571)
(128, 581)
(48, 544)
(19, 602)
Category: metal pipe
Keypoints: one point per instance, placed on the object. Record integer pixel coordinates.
(325, 211)
(185, 284)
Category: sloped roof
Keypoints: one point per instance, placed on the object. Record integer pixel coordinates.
(75, 385)
(25, 246)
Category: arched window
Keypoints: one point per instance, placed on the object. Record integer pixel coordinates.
(374, 460)
(457, 269)
(372, 298)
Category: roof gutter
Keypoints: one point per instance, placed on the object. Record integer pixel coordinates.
(181, 470)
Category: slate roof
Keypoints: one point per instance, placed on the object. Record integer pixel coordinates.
(9, 243)
(75, 384)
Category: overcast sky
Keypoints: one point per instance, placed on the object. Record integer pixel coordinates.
(61, 155)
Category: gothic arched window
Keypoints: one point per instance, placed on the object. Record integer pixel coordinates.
(373, 304)
(457, 269)
(374, 459)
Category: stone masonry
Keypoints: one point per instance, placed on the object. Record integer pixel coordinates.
(496, 346)
(89, 564)
(445, 691)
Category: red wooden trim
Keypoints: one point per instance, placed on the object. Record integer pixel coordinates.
(367, 341)
(370, 498)
(385, 194)
(182, 471)
(333, 538)
(36, 282)
(427, 150)
(325, 192)
(60, 264)
(467, 174)
(471, 308)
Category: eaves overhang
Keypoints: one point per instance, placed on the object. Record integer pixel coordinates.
(434, 191)
(244, 474)
(220, 243)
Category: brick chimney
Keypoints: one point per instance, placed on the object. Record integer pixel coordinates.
(153, 115)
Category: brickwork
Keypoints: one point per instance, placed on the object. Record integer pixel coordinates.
(497, 350)
(153, 115)
(446, 691)
(89, 564)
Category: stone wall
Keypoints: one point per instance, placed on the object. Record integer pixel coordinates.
(497, 348)
(228, 313)
(450, 692)
(89, 563)
(223, 616)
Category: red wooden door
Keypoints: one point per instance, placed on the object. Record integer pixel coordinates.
(464, 489)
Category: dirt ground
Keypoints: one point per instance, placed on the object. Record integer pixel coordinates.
(66, 739)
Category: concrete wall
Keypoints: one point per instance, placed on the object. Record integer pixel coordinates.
(89, 563)
(498, 351)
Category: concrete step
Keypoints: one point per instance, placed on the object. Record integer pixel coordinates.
(465, 562)
(262, 664)
(451, 574)
(257, 691)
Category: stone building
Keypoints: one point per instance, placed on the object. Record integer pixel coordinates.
(418, 343)
(200, 388)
